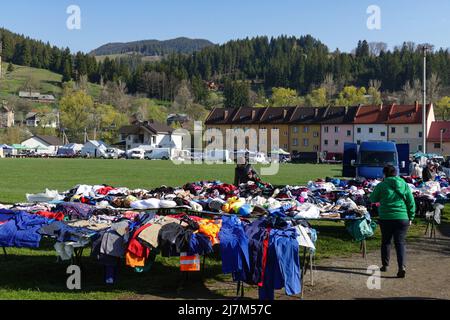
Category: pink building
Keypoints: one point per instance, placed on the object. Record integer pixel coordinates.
(336, 130)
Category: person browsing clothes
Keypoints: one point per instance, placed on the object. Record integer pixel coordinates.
(397, 211)
(244, 171)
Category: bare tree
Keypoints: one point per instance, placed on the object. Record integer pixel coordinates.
(375, 48)
(411, 94)
(330, 86)
(434, 88)
(376, 84)
(184, 99)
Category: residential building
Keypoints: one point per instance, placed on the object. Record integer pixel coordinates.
(6, 116)
(439, 132)
(177, 118)
(305, 130)
(370, 124)
(43, 144)
(405, 125)
(44, 120)
(151, 134)
(336, 129)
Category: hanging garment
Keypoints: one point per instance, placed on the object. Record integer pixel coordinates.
(234, 248)
(199, 244)
(257, 233)
(283, 265)
(174, 239)
(150, 234)
(189, 263)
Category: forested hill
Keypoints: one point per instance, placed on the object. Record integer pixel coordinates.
(154, 47)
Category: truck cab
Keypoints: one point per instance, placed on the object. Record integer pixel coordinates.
(371, 157)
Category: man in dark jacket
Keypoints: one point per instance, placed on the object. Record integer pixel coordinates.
(244, 172)
(427, 174)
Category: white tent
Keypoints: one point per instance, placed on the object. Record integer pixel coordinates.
(70, 149)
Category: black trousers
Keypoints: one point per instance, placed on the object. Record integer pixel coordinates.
(396, 229)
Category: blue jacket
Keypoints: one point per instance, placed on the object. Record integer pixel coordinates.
(22, 231)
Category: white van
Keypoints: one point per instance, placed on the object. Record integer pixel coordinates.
(136, 154)
(217, 156)
(157, 154)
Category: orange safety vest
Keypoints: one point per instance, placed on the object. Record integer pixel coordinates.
(189, 263)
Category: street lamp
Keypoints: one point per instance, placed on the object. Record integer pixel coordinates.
(425, 49)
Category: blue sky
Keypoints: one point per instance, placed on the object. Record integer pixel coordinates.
(339, 24)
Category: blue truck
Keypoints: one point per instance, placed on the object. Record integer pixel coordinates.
(369, 159)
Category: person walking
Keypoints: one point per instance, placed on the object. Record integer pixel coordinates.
(397, 212)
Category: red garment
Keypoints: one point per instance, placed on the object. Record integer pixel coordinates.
(105, 190)
(59, 216)
(135, 247)
(264, 262)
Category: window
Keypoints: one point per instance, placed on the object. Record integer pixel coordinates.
(420, 147)
(370, 130)
(306, 129)
(325, 142)
(383, 134)
(295, 129)
(286, 146)
(377, 157)
(437, 145)
(349, 133)
(358, 142)
(406, 130)
(336, 129)
(336, 142)
(326, 129)
(420, 134)
(316, 134)
(154, 140)
(393, 130)
(295, 142)
(285, 133)
(316, 148)
(358, 130)
(305, 142)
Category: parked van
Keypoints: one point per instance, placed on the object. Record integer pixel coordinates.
(157, 154)
(217, 156)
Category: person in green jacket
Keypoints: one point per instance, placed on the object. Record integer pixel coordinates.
(397, 211)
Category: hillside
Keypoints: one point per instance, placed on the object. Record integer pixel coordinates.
(153, 47)
(43, 81)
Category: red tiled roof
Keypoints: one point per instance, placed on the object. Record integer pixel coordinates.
(372, 114)
(406, 114)
(435, 131)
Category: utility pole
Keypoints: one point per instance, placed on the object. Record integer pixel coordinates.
(424, 116)
(1, 51)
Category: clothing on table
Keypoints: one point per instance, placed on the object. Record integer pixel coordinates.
(22, 230)
(150, 234)
(174, 239)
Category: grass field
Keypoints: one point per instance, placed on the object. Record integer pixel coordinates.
(33, 274)
(47, 81)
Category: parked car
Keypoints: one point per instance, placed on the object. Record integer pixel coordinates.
(136, 154)
(157, 154)
(113, 153)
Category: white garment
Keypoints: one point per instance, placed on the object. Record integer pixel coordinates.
(303, 238)
(167, 204)
(146, 204)
(47, 196)
(307, 211)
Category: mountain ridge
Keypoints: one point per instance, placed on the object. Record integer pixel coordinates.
(153, 47)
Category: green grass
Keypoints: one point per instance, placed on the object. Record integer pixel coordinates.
(47, 81)
(34, 274)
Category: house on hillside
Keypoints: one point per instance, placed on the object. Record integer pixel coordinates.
(37, 96)
(44, 120)
(43, 144)
(6, 116)
(149, 133)
(177, 118)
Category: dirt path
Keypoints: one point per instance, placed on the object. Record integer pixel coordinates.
(428, 274)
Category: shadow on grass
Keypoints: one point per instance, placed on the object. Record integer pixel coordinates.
(42, 274)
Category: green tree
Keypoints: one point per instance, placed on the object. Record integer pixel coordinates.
(10, 67)
(236, 94)
(443, 108)
(317, 98)
(284, 97)
(76, 109)
(352, 96)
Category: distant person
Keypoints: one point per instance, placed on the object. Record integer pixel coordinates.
(427, 174)
(416, 170)
(397, 211)
(244, 172)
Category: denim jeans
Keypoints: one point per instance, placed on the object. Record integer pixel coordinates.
(396, 229)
